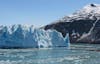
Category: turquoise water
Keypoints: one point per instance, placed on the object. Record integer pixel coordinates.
(76, 54)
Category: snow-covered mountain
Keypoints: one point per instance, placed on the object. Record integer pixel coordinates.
(88, 12)
(22, 36)
(82, 22)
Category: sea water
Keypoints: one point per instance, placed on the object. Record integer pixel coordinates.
(76, 54)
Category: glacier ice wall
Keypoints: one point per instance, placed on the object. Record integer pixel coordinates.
(20, 36)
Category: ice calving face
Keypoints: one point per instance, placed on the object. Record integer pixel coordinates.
(29, 37)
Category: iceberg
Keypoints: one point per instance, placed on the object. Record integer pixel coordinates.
(20, 36)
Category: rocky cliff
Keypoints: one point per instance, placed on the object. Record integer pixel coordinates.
(83, 25)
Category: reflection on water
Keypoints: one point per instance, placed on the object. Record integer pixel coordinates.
(77, 54)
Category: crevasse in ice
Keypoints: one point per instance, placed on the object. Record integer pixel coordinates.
(20, 36)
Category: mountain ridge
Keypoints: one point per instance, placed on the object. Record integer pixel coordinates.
(80, 23)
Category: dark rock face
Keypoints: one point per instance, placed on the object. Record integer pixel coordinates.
(93, 5)
(76, 29)
(82, 26)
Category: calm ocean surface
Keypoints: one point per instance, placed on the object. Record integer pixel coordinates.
(76, 54)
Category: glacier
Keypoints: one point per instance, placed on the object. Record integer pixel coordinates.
(22, 36)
